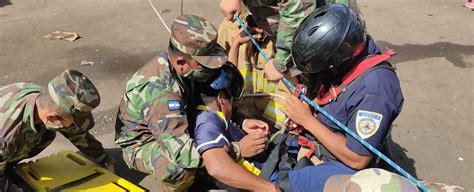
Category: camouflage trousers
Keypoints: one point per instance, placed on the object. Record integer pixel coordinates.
(175, 171)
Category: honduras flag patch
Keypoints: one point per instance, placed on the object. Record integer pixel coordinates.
(174, 105)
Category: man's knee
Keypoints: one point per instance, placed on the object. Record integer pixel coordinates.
(178, 181)
(142, 158)
(135, 162)
(151, 159)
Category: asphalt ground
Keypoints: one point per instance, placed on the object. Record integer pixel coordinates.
(434, 39)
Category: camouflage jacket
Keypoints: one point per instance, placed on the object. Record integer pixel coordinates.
(285, 16)
(21, 137)
(152, 107)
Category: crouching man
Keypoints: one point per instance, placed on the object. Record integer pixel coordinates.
(222, 145)
(30, 116)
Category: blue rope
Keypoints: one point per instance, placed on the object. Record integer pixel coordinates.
(350, 132)
(251, 38)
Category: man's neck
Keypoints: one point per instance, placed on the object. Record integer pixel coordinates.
(213, 106)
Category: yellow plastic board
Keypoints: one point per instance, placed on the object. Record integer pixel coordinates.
(73, 172)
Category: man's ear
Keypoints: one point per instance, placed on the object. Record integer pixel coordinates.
(180, 60)
(221, 98)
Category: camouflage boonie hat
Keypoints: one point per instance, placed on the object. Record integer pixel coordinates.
(197, 37)
(369, 180)
(76, 94)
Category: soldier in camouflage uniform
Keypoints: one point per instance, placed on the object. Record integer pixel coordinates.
(30, 116)
(153, 116)
(278, 19)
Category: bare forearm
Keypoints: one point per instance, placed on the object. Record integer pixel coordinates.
(224, 169)
(234, 53)
(336, 144)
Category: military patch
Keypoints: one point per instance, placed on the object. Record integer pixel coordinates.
(367, 123)
(174, 105)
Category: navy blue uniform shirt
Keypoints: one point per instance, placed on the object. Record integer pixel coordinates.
(368, 108)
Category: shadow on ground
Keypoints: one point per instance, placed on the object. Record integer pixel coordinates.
(121, 168)
(4, 3)
(398, 154)
(454, 53)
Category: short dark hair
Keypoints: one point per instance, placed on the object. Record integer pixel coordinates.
(209, 98)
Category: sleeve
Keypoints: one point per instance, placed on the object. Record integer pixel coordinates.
(164, 115)
(235, 132)
(209, 133)
(371, 119)
(7, 151)
(131, 122)
(292, 13)
(87, 144)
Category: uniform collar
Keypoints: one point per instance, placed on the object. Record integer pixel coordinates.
(29, 111)
(219, 113)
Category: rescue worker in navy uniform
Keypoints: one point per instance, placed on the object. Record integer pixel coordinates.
(330, 49)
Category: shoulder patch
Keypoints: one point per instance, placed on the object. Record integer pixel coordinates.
(174, 105)
(367, 123)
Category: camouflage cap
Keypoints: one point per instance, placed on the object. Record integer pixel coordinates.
(197, 37)
(75, 93)
(369, 180)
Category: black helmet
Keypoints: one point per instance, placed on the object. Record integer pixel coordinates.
(227, 78)
(327, 38)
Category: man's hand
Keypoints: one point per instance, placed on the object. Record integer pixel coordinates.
(271, 73)
(110, 165)
(242, 37)
(255, 126)
(253, 144)
(298, 111)
(229, 8)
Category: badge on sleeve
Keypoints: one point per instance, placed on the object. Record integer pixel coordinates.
(174, 105)
(367, 123)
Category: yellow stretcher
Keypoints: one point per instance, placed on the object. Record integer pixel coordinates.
(69, 171)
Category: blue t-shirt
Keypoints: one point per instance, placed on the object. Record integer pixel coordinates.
(368, 108)
(213, 131)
